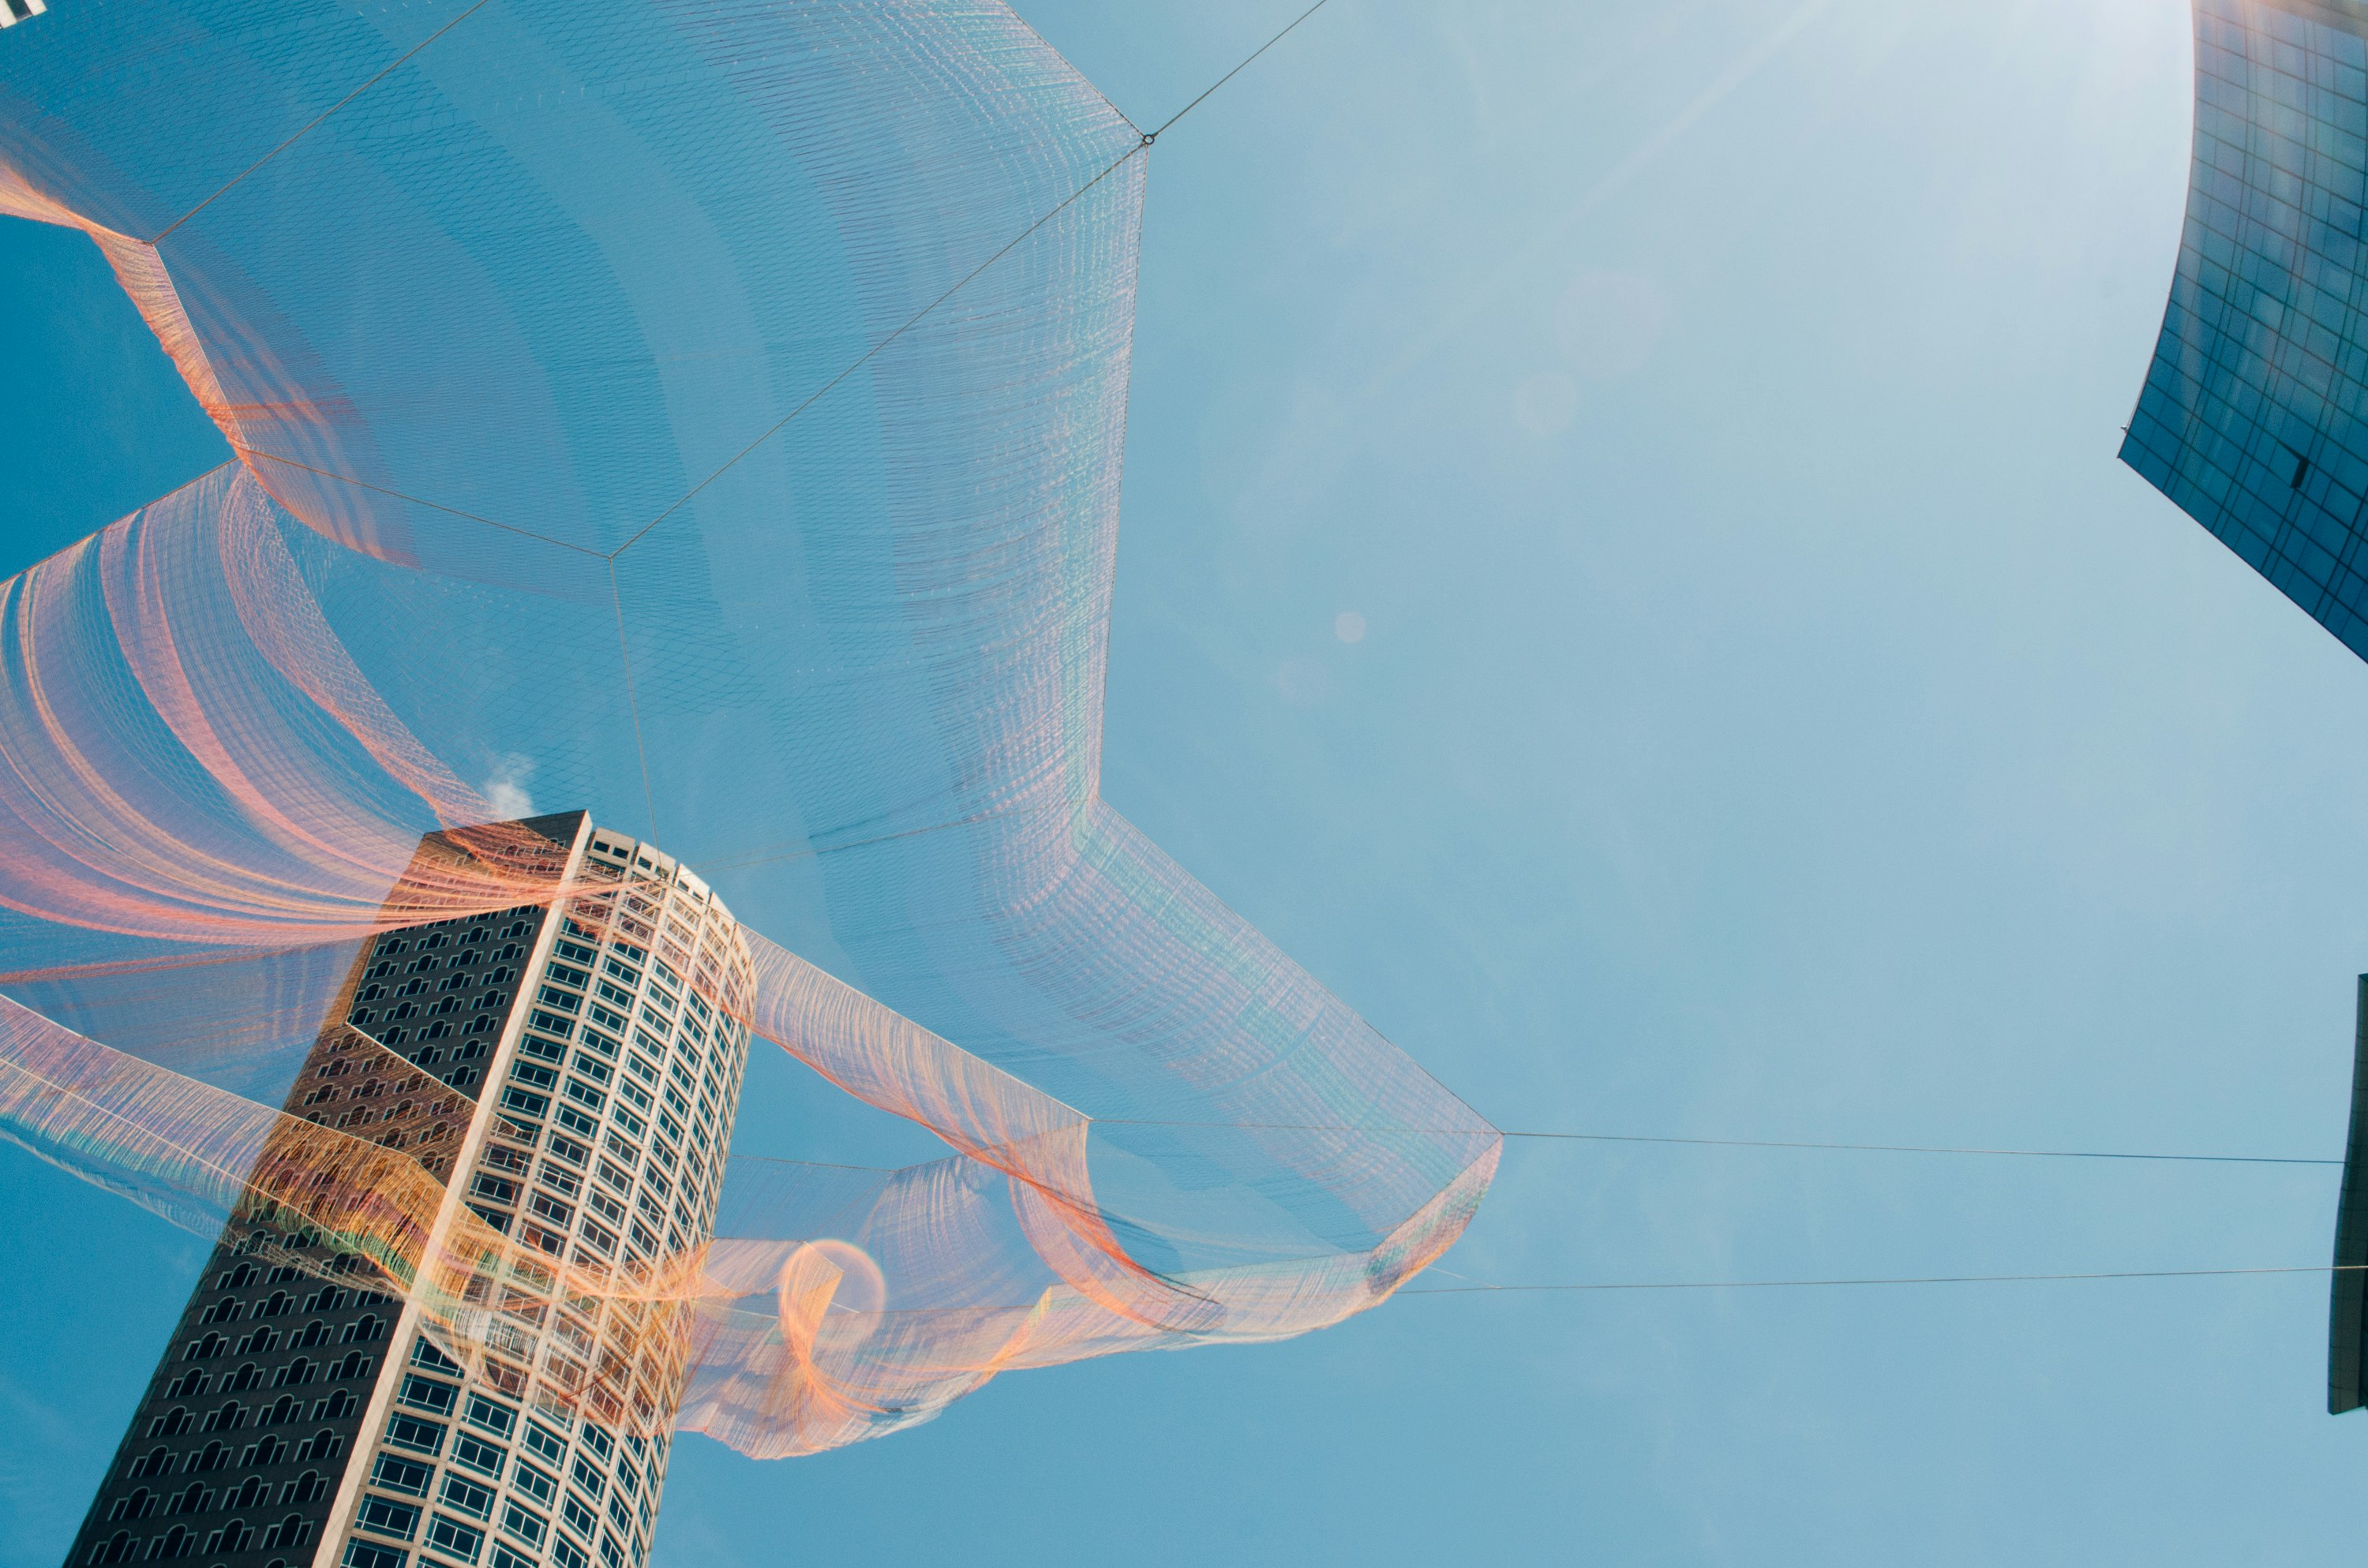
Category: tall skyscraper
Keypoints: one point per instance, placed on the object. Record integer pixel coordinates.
(568, 1070)
(2254, 417)
(2347, 1333)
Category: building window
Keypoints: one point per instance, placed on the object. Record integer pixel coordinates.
(321, 1445)
(293, 1531)
(527, 1527)
(480, 1456)
(399, 1474)
(449, 1534)
(426, 1393)
(468, 1496)
(546, 1442)
(531, 1480)
(419, 1436)
(387, 1516)
(579, 1517)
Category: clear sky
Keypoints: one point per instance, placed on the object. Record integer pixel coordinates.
(1776, 715)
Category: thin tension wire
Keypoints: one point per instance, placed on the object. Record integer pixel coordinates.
(246, 451)
(1739, 1142)
(1900, 1279)
(1931, 1149)
(1780, 1284)
(1151, 136)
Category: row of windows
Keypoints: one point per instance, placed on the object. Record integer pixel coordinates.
(466, 931)
(291, 1533)
(390, 962)
(199, 1498)
(2316, 84)
(2320, 277)
(2240, 25)
(234, 1416)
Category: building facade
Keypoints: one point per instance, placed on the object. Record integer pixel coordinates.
(568, 1071)
(2254, 417)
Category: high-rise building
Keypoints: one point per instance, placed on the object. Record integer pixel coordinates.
(2254, 417)
(2347, 1331)
(568, 1071)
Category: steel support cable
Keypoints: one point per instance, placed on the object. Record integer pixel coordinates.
(1890, 1279)
(1778, 1284)
(1736, 1142)
(246, 451)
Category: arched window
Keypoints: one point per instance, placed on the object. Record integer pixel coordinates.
(173, 1422)
(321, 1446)
(289, 1532)
(115, 1548)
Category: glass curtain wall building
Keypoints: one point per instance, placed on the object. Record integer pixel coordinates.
(560, 1058)
(2254, 417)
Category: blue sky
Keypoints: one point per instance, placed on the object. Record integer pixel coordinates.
(1777, 715)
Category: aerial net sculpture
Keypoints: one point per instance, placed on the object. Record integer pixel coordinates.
(707, 414)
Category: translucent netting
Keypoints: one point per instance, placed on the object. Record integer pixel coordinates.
(708, 415)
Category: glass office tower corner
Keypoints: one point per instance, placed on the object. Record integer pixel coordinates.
(2254, 417)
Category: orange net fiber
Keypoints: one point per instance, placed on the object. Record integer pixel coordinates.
(706, 415)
